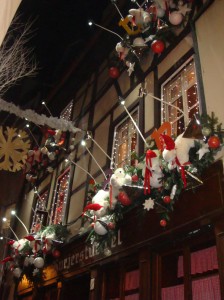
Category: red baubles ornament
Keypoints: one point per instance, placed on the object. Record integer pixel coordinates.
(157, 46)
(163, 223)
(214, 142)
(134, 178)
(124, 199)
(56, 253)
(111, 225)
(114, 72)
(166, 199)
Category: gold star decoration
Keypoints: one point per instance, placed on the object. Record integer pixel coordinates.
(14, 146)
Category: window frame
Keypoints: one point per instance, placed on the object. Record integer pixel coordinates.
(42, 212)
(180, 70)
(55, 196)
(122, 120)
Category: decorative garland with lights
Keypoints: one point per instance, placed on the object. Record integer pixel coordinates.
(150, 26)
(155, 181)
(31, 254)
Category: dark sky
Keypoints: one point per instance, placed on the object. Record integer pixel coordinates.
(60, 32)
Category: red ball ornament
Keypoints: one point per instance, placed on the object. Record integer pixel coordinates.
(124, 199)
(166, 199)
(163, 223)
(157, 46)
(214, 142)
(56, 253)
(111, 225)
(134, 178)
(114, 72)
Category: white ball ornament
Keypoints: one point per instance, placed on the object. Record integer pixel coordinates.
(175, 18)
(99, 228)
(107, 252)
(206, 131)
(17, 272)
(38, 262)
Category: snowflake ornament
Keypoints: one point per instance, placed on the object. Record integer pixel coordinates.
(149, 204)
(14, 146)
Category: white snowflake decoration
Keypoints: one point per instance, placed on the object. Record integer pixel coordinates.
(149, 204)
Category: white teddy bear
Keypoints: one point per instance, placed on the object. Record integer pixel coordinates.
(183, 146)
(117, 180)
(102, 198)
(177, 153)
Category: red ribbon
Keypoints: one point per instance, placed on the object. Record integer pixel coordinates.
(182, 172)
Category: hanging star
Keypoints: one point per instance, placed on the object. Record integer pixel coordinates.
(184, 9)
(130, 67)
(149, 204)
(204, 149)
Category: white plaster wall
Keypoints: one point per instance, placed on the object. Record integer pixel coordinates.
(80, 176)
(128, 101)
(8, 9)
(210, 35)
(183, 47)
(75, 210)
(101, 137)
(105, 104)
(149, 103)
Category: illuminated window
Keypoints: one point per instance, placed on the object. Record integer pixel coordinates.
(67, 112)
(40, 212)
(60, 198)
(125, 141)
(180, 91)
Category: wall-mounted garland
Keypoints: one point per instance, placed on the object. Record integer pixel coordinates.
(156, 181)
(31, 254)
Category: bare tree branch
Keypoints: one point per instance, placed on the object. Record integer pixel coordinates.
(16, 60)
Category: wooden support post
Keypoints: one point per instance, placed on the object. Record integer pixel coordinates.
(94, 284)
(144, 270)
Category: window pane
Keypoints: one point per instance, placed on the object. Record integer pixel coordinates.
(180, 91)
(125, 142)
(60, 200)
(40, 212)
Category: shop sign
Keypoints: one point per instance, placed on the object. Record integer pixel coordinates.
(86, 254)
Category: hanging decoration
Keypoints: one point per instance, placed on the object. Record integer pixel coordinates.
(154, 182)
(41, 120)
(14, 146)
(30, 255)
(148, 27)
(44, 157)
